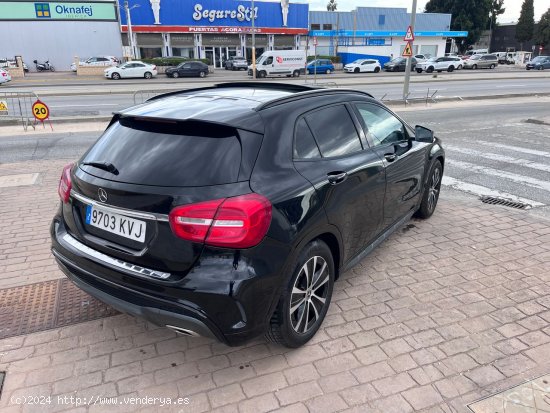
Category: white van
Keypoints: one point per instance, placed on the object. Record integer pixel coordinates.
(280, 63)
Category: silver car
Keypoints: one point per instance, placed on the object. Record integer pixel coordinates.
(479, 61)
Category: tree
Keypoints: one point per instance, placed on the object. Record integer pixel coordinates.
(467, 15)
(526, 23)
(497, 8)
(542, 36)
(331, 5)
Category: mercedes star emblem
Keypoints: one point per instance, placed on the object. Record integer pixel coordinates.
(102, 195)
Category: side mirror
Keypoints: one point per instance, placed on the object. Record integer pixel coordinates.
(422, 134)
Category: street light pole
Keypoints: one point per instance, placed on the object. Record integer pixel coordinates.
(129, 25)
(409, 59)
(253, 42)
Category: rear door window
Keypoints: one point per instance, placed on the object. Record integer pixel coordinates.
(167, 153)
(304, 142)
(334, 131)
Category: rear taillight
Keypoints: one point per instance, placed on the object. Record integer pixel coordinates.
(65, 184)
(238, 222)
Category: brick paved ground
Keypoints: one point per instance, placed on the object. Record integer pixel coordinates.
(443, 313)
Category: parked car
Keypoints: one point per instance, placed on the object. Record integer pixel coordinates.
(236, 63)
(440, 64)
(5, 77)
(480, 61)
(363, 65)
(399, 64)
(188, 69)
(134, 68)
(539, 63)
(320, 66)
(252, 201)
(97, 61)
(7, 63)
(422, 57)
(471, 53)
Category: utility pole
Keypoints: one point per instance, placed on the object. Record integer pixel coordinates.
(409, 59)
(253, 42)
(129, 25)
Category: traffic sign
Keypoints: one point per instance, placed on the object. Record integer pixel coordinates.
(409, 36)
(314, 40)
(40, 111)
(3, 107)
(408, 50)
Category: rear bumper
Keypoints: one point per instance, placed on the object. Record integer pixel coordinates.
(228, 296)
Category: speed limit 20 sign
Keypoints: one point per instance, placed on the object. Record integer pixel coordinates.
(40, 111)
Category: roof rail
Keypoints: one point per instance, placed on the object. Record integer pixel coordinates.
(255, 85)
(306, 93)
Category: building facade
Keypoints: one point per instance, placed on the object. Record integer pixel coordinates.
(377, 32)
(58, 31)
(503, 38)
(212, 29)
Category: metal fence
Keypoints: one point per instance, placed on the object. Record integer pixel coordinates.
(18, 106)
(141, 96)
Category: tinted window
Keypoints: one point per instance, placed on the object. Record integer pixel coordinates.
(334, 131)
(167, 154)
(383, 128)
(304, 143)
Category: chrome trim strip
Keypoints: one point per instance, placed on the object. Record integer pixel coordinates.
(116, 210)
(113, 262)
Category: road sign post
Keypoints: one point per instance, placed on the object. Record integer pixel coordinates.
(41, 112)
(409, 59)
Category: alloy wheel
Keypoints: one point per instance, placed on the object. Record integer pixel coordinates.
(434, 189)
(309, 294)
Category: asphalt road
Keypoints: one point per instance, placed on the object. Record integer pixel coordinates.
(493, 148)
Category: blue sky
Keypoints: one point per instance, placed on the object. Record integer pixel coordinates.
(513, 7)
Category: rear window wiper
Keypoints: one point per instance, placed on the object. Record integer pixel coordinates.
(106, 166)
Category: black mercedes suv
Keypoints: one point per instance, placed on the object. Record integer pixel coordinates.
(230, 211)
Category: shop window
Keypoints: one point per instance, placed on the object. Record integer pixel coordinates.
(315, 27)
(327, 26)
(382, 19)
(150, 52)
(183, 52)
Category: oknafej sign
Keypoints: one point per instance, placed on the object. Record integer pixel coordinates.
(22, 10)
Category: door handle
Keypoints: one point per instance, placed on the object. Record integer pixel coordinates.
(390, 157)
(336, 178)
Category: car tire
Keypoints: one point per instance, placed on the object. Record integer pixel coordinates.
(328, 72)
(262, 74)
(540, 67)
(431, 191)
(474, 67)
(429, 69)
(450, 69)
(175, 75)
(288, 326)
(492, 66)
(418, 70)
(115, 76)
(528, 68)
(356, 70)
(376, 70)
(202, 73)
(459, 67)
(147, 75)
(296, 73)
(52, 69)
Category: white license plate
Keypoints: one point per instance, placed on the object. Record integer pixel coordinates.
(121, 225)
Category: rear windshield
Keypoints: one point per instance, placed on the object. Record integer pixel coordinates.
(166, 153)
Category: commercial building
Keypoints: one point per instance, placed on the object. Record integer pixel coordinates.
(58, 31)
(377, 32)
(213, 29)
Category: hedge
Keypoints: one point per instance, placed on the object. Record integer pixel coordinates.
(172, 61)
(334, 59)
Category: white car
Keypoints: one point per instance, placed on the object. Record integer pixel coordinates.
(97, 61)
(4, 76)
(422, 57)
(439, 64)
(134, 68)
(363, 65)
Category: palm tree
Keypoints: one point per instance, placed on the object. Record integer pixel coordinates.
(331, 5)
